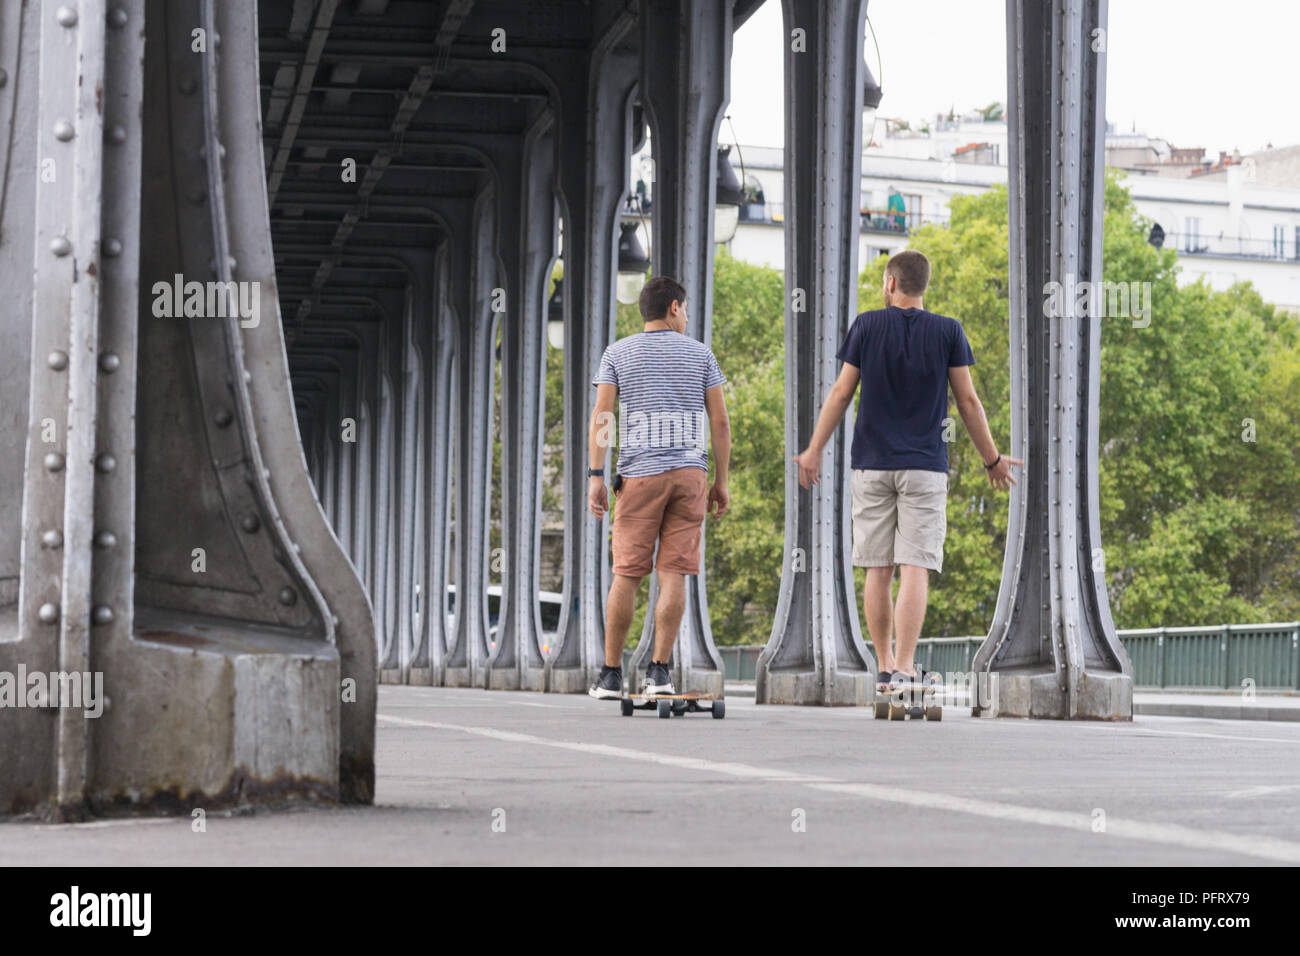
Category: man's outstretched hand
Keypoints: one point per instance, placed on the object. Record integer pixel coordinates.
(810, 463)
(1000, 474)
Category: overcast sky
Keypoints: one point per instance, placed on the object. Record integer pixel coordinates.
(1195, 72)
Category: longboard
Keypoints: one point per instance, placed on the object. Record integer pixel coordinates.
(916, 701)
(670, 705)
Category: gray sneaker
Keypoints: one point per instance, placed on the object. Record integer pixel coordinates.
(657, 679)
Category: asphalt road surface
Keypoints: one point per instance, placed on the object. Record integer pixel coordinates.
(477, 777)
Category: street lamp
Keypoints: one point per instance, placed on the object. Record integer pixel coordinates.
(555, 316)
(633, 264)
(728, 199)
(870, 102)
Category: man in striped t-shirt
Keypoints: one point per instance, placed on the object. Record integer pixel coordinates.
(667, 386)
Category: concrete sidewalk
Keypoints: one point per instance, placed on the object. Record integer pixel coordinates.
(1229, 705)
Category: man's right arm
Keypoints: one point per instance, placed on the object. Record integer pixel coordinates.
(832, 413)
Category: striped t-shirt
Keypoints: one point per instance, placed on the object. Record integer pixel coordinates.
(661, 379)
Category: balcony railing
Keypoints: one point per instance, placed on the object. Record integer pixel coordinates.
(1285, 249)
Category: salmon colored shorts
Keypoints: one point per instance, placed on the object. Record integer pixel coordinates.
(667, 508)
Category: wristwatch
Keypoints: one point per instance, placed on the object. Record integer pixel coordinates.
(595, 472)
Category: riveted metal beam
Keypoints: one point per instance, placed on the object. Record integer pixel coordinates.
(518, 661)
(816, 654)
(1052, 649)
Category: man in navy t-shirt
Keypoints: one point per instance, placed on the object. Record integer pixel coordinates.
(905, 358)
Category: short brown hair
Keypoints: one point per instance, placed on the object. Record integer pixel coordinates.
(657, 295)
(911, 270)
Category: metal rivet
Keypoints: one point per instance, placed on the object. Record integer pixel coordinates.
(52, 539)
(288, 596)
(117, 18)
(112, 247)
(63, 130)
(66, 16)
(57, 360)
(250, 523)
(103, 614)
(117, 134)
(54, 461)
(105, 539)
(109, 362)
(60, 245)
(48, 613)
(105, 463)
(223, 417)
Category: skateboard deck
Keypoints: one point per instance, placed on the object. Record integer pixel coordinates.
(917, 701)
(674, 705)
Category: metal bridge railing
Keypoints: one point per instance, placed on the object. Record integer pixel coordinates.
(1218, 657)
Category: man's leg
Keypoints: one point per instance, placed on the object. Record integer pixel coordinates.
(668, 612)
(619, 609)
(878, 609)
(909, 614)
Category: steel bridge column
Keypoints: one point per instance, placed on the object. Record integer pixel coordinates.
(384, 529)
(221, 615)
(451, 274)
(1052, 650)
(518, 661)
(408, 475)
(594, 157)
(685, 78)
(815, 654)
(467, 660)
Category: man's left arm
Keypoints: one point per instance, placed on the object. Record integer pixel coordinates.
(720, 435)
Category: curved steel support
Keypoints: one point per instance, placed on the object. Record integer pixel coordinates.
(1052, 650)
(816, 654)
(518, 662)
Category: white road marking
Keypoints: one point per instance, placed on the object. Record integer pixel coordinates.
(1142, 731)
(104, 824)
(1267, 848)
(1262, 791)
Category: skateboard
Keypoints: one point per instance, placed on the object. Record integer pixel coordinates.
(674, 705)
(916, 702)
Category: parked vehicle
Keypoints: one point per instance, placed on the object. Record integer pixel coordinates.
(549, 603)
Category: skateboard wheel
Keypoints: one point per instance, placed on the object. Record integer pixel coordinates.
(719, 710)
(665, 708)
(881, 709)
(916, 711)
(679, 708)
(626, 706)
(934, 712)
(897, 711)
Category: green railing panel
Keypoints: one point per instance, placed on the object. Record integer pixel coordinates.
(1218, 657)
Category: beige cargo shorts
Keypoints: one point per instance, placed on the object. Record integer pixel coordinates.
(899, 517)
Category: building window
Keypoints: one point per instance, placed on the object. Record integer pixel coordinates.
(1192, 234)
(1297, 242)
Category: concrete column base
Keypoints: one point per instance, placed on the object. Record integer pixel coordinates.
(847, 688)
(1102, 696)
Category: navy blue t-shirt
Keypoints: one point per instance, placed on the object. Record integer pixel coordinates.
(904, 356)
